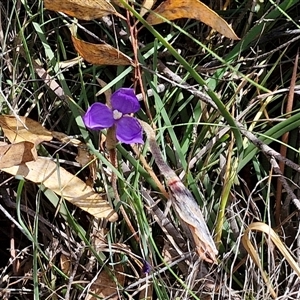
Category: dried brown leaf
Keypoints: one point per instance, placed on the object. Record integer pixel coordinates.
(104, 285)
(15, 131)
(192, 9)
(65, 264)
(146, 6)
(82, 9)
(83, 156)
(16, 154)
(65, 184)
(100, 54)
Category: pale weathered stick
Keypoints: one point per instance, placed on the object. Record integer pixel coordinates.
(184, 204)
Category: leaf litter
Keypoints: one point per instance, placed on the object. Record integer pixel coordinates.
(20, 158)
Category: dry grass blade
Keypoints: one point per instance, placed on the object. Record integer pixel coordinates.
(262, 227)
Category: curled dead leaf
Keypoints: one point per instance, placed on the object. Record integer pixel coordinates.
(82, 9)
(16, 154)
(192, 9)
(252, 250)
(65, 184)
(100, 54)
(16, 132)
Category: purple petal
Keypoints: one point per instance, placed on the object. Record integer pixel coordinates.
(129, 131)
(146, 267)
(98, 117)
(125, 101)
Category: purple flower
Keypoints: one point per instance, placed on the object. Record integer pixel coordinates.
(146, 267)
(123, 102)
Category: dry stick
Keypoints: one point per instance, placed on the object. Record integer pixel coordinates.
(272, 51)
(137, 68)
(262, 56)
(179, 82)
(283, 147)
(268, 151)
(73, 274)
(258, 143)
(184, 204)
